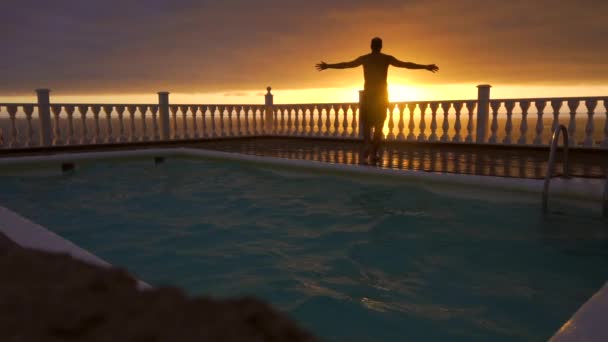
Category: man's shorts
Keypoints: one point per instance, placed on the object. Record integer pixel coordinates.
(373, 108)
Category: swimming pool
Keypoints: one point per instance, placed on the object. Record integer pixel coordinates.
(352, 258)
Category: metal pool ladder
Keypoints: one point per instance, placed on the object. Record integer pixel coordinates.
(554, 141)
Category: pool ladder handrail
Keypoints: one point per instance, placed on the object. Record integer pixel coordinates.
(550, 165)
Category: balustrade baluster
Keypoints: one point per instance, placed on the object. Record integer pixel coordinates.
(173, 110)
(144, 125)
(96, 109)
(391, 123)
(212, 110)
(288, 130)
(422, 126)
(56, 110)
(344, 121)
(253, 113)
(605, 141)
(246, 109)
(495, 105)
(222, 124)
(29, 110)
(573, 106)
(509, 106)
(204, 133)
(238, 120)
(83, 109)
(411, 125)
(337, 120)
(230, 132)
(154, 111)
(434, 107)
(296, 121)
(69, 109)
(319, 120)
(131, 110)
(523, 127)
(280, 123)
(12, 112)
(401, 123)
(590, 104)
(194, 111)
(540, 108)
(445, 106)
(304, 122)
(354, 124)
(109, 134)
(121, 124)
(184, 110)
(556, 105)
(327, 122)
(471, 105)
(457, 125)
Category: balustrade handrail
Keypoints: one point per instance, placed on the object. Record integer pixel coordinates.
(579, 98)
(551, 163)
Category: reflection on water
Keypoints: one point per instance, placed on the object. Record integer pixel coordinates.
(520, 163)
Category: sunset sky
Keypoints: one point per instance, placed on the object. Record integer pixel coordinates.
(228, 51)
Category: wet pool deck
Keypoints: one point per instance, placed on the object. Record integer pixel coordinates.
(483, 160)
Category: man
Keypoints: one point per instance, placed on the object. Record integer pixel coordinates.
(375, 94)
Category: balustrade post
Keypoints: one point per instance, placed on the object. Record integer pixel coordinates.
(483, 112)
(44, 117)
(163, 114)
(605, 140)
(269, 111)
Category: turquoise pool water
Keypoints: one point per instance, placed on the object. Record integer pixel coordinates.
(351, 259)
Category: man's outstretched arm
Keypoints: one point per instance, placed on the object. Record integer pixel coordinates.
(345, 65)
(408, 65)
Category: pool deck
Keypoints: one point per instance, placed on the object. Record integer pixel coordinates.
(483, 160)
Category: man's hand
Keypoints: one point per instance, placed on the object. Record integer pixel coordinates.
(432, 68)
(321, 66)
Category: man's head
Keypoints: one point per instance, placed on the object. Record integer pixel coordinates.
(376, 44)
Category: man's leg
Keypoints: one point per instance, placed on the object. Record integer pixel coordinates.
(377, 140)
(367, 138)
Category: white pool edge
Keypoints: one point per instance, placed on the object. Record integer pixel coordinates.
(587, 324)
(28, 234)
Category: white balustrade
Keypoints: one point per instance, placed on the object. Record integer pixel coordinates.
(313, 120)
(495, 106)
(445, 126)
(540, 107)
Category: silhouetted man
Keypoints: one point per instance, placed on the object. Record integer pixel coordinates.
(375, 94)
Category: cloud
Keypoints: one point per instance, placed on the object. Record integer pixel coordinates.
(225, 46)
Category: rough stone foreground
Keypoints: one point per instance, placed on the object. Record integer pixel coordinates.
(53, 297)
